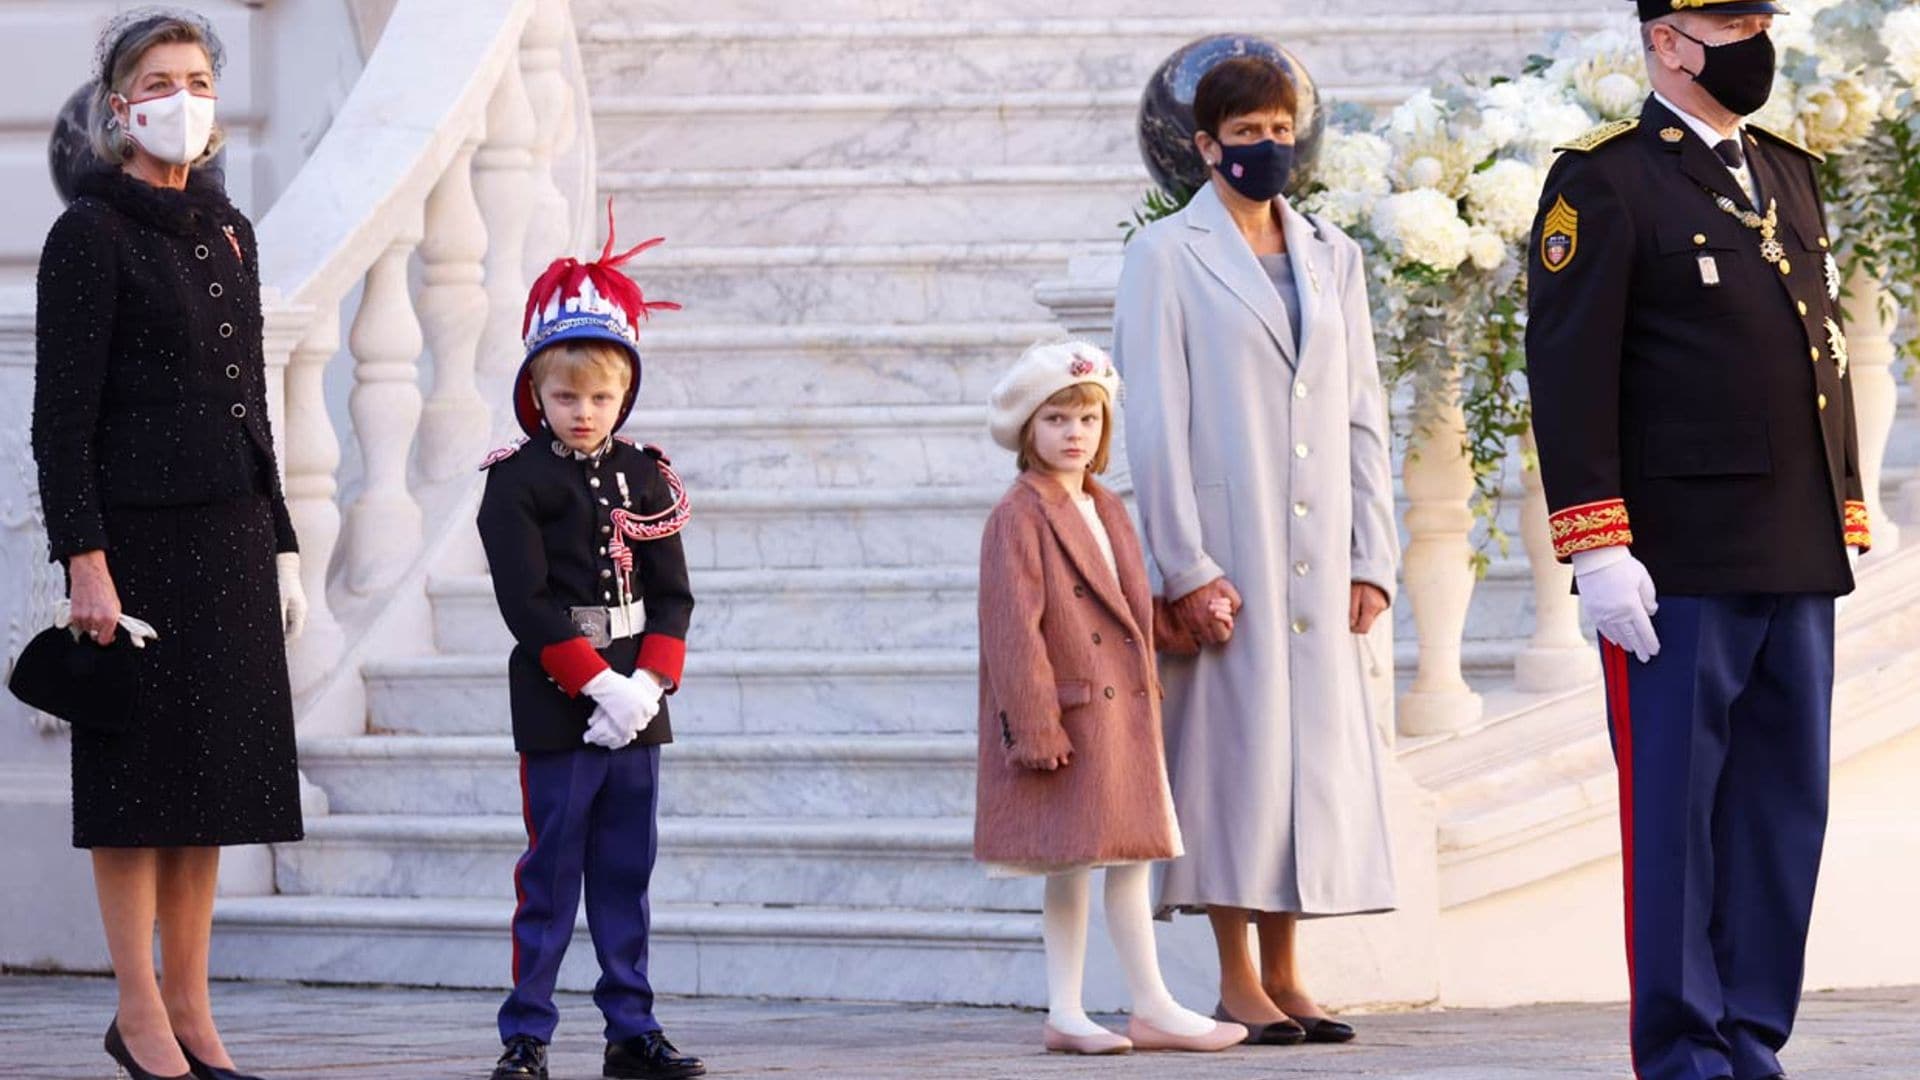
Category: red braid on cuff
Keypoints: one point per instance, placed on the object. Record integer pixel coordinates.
(663, 655)
(572, 663)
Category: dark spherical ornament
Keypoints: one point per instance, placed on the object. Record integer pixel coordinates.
(69, 153)
(1166, 111)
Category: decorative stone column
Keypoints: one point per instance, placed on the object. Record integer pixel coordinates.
(312, 456)
(384, 525)
(502, 183)
(1558, 656)
(1871, 315)
(453, 308)
(1439, 569)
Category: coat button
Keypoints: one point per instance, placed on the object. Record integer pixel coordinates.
(1300, 390)
(1080, 592)
(1823, 402)
(603, 551)
(1108, 692)
(216, 290)
(1803, 306)
(201, 252)
(1815, 353)
(239, 411)
(1823, 241)
(233, 371)
(1299, 626)
(605, 529)
(1700, 239)
(593, 481)
(1299, 509)
(603, 500)
(1300, 569)
(1300, 450)
(1786, 267)
(226, 329)
(605, 574)
(1096, 639)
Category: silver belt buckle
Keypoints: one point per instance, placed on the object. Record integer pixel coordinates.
(594, 624)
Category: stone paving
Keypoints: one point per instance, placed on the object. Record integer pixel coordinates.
(50, 1030)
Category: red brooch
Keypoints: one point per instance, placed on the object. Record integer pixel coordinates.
(1081, 366)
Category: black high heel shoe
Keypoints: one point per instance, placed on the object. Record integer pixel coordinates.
(203, 1071)
(130, 1069)
(1278, 1033)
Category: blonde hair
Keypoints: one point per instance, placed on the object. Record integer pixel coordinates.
(105, 133)
(574, 362)
(1079, 395)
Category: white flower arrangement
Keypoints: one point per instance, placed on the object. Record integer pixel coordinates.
(1422, 228)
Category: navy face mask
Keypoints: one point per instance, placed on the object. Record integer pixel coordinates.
(1259, 171)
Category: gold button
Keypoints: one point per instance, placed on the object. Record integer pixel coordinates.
(1823, 402)
(1823, 241)
(1700, 238)
(1786, 267)
(1803, 306)
(1816, 353)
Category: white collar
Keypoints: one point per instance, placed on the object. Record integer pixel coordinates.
(1707, 132)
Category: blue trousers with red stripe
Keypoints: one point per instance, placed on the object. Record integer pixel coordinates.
(590, 817)
(1722, 747)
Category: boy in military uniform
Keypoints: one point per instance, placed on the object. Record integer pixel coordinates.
(1696, 435)
(581, 534)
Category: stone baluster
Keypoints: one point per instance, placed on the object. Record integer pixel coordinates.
(384, 523)
(1558, 656)
(453, 308)
(1439, 569)
(503, 184)
(1870, 316)
(550, 96)
(312, 456)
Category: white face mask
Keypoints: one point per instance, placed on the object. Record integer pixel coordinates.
(175, 128)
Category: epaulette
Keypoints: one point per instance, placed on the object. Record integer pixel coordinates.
(657, 454)
(502, 454)
(1599, 136)
(1784, 141)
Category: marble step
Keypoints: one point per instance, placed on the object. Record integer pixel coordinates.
(880, 204)
(875, 284)
(900, 776)
(806, 693)
(923, 863)
(827, 364)
(757, 445)
(850, 610)
(819, 131)
(1030, 54)
(728, 950)
(841, 527)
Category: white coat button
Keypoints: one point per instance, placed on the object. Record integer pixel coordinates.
(239, 411)
(1300, 390)
(1299, 509)
(1300, 450)
(226, 329)
(1300, 569)
(1299, 626)
(216, 290)
(593, 481)
(605, 529)
(233, 371)
(200, 251)
(605, 574)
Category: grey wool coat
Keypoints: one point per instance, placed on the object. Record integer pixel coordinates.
(1066, 660)
(1264, 460)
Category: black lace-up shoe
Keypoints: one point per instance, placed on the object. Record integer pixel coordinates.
(650, 1057)
(524, 1059)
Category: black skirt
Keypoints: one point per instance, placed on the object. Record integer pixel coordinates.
(210, 758)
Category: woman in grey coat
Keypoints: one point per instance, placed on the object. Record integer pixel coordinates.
(1258, 441)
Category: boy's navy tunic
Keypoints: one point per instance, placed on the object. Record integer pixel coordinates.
(546, 523)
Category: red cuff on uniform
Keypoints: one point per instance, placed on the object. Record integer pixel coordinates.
(572, 663)
(663, 655)
(1859, 531)
(1589, 526)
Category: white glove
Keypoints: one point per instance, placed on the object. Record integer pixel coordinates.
(625, 705)
(1617, 593)
(293, 598)
(139, 631)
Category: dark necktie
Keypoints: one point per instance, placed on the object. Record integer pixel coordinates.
(1728, 150)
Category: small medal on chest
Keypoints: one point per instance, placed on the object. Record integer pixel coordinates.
(626, 497)
(1709, 272)
(233, 242)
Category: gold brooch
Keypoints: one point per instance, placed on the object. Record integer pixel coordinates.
(1672, 134)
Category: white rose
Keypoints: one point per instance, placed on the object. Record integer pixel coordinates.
(1422, 227)
(1503, 196)
(1487, 249)
(1900, 34)
(1354, 161)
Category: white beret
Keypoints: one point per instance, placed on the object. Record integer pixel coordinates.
(1041, 372)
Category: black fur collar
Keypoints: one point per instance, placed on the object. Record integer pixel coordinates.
(201, 206)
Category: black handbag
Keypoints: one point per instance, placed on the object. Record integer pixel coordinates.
(87, 684)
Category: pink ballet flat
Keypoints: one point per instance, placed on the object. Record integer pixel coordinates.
(1147, 1037)
(1059, 1042)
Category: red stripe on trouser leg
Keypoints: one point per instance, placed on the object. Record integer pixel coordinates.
(1620, 716)
(519, 890)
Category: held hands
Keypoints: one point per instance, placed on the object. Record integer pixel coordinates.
(96, 603)
(624, 706)
(1617, 593)
(293, 597)
(1207, 612)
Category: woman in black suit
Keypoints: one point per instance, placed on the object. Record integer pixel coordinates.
(162, 498)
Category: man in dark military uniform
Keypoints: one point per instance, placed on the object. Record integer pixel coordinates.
(581, 530)
(1696, 435)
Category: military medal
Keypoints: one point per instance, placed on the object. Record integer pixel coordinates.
(1709, 271)
(626, 497)
(233, 241)
(1833, 278)
(1837, 346)
(1771, 249)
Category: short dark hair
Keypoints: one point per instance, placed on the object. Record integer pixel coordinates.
(1242, 85)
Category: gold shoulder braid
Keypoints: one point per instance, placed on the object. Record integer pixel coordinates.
(1599, 136)
(1771, 249)
(1785, 141)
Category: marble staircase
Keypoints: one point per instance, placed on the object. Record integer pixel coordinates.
(857, 209)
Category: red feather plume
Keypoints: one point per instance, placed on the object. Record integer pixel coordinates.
(565, 277)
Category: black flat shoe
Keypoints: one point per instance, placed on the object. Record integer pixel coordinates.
(1324, 1030)
(650, 1057)
(203, 1071)
(116, 1048)
(1278, 1033)
(525, 1058)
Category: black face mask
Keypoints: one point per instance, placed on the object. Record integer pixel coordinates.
(1738, 74)
(1257, 170)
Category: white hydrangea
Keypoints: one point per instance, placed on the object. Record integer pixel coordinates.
(1606, 71)
(1531, 116)
(1797, 32)
(1418, 116)
(1353, 171)
(1486, 248)
(1422, 227)
(1900, 34)
(1836, 114)
(1502, 197)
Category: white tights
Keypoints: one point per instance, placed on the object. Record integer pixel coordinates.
(1063, 927)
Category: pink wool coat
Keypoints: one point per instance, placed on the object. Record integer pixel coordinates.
(1066, 660)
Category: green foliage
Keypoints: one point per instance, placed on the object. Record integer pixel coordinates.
(1154, 205)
